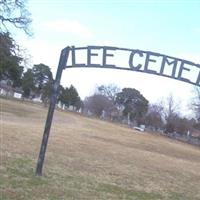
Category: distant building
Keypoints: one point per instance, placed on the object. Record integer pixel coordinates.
(6, 89)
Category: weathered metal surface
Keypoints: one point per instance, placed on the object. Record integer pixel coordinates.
(139, 61)
(62, 64)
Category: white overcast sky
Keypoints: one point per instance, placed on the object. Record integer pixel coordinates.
(167, 27)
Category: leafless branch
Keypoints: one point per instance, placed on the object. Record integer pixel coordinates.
(14, 12)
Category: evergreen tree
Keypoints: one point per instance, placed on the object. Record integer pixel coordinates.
(10, 68)
(134, 104)
(28, 83)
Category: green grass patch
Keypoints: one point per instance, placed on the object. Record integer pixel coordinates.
(20, 183)
(123, 193)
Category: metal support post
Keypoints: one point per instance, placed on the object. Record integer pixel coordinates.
(62, 64)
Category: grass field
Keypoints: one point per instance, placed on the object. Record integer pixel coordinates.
(90, 159)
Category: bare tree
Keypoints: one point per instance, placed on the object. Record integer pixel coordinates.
(196, 103)
(171, 107)
(171, 113)
(98, 103)
(182, 125)
(154, 116)
(109, 91)
(14, 12)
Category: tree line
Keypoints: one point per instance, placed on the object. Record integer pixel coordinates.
(36, 82)
(130, 106)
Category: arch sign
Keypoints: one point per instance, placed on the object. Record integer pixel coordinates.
(116, 58)
(135, 60)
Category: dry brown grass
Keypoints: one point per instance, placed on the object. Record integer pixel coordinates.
(91, 159)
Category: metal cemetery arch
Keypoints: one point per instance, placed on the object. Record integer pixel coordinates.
(178, 69)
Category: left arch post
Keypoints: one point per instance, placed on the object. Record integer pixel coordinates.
(62, 63)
